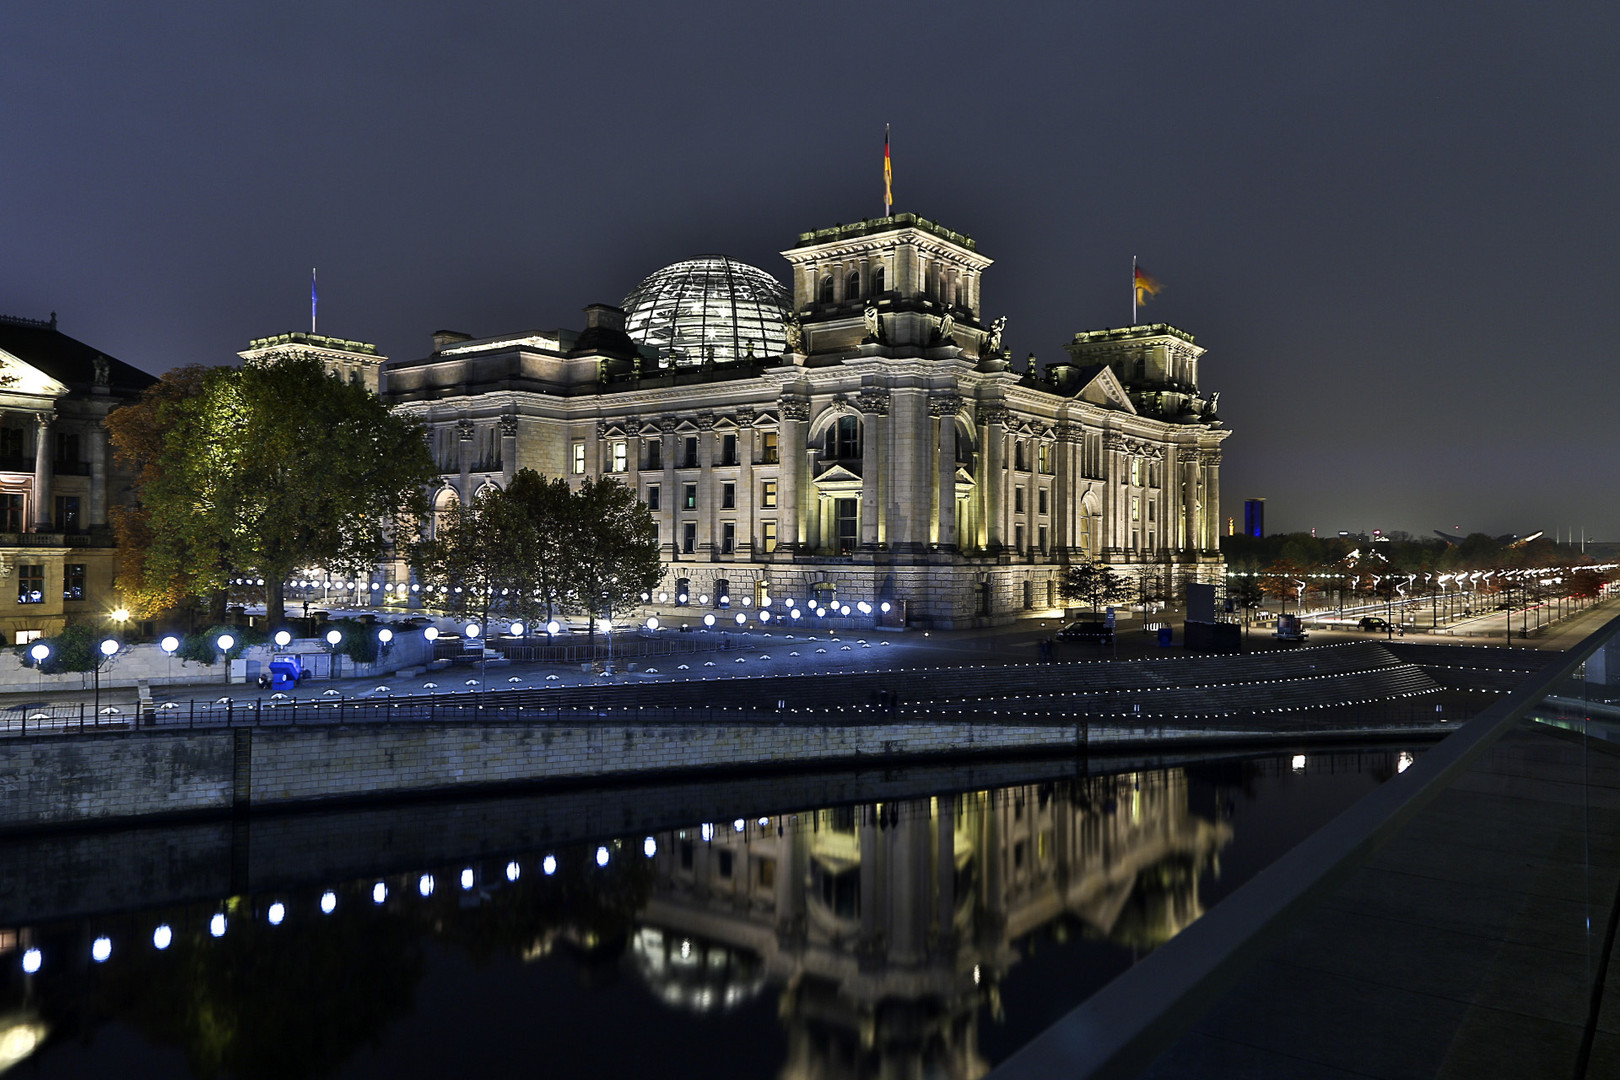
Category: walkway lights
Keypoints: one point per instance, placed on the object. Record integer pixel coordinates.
(41, 652)
(332, 638)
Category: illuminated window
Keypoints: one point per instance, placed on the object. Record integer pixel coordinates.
(621, 456)
(689, 496)
(767, 495)
(1136, 508)
(73, 581)
(30, 584)
(768, 535)
(768, 453)
(67, 513)
(1045, 457)
(1136, 471)
(579, 459)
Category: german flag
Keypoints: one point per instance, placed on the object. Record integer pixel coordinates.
(1146, 285)
(888, 176)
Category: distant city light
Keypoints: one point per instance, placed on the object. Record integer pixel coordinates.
(162, 937)
(328, 902)
(216, 925)
(277, 912)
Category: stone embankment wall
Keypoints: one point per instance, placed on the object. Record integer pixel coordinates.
(54, 780)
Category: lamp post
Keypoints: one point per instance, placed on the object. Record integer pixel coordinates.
(332, 639)
(107, 649)
(40, 652)
(170, 645)
(473, 630)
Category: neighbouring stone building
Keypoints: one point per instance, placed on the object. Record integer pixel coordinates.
(58, 478)
(861, 438)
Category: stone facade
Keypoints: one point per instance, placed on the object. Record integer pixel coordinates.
(891, 453)
(58, 479)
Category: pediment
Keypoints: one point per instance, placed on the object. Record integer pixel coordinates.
(686, 427)
(838, 474)
(1106, 390)
(17, 376)
(964, 477)
(725, 423)
(767, 419)
(615, 431)
(648, 430)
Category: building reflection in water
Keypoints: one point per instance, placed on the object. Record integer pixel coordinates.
(885, 928)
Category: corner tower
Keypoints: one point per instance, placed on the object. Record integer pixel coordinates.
(903, 282)
(351, 361)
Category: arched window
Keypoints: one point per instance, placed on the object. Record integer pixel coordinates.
(827, 289)
(844, 438)
(852, 285)
(877, 280)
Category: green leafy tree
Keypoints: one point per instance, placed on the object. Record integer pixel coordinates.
(276, 466)
(611, 556)
(1092, 583)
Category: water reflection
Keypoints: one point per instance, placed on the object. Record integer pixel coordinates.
(880, 935)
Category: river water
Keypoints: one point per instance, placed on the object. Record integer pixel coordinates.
(924, 935)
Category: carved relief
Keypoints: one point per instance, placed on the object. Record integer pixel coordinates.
(509, 425)
(873, 401)
(945, 405)
(994, 414)
(464, 430)
(794, 410)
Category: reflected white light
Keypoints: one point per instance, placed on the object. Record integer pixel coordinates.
(737, 826)
(649, 847)
(424, 885)
(430, 633)
(553, 627)
(764, 821)
(708, 620)
(550, 865)
(703, 598)
(794, 613)
(100, 949)
(663, 598)
(601, 856)
(328, 902)
(513, 871)
(707, 831)
(467, 878)
(865, 608)
(652, 622)
(277, 912)
(31, 961)
(225, 642)
(517, 629)
(1299, 763)
(764, 616)
(162, 937)
(385, 635)
(283, 638)
(1403, 762)
(884, 607)
(473, 630)
(216, 925)
(741, 618)
(379, 893)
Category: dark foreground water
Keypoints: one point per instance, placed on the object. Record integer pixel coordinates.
(922, 936)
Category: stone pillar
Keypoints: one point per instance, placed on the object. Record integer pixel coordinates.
(910, 464)
(1114, 508)
(669, 493)
(708, 491)
(945, 409)
(874, 408)
(1212, 499)
(98, 478)
(464, 454)
(993, 437)
(1063, 488)
(509, 429)
(790, 448)
(44, 508)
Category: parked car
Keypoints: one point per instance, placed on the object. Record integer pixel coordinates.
(1374, 623)
(1092, 630)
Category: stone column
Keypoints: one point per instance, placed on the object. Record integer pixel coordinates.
(1212, 499)
(1116, 508)
(464, 455)
(98, 478)
(874, 408)
(993, 437)
(669, 493)
(907, 492)
(708, 491)
(1063, 488)
(44, 509)
(509, 429)
(945, 409)
(790, 448)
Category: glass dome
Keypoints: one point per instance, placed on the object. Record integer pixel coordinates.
(708, 309)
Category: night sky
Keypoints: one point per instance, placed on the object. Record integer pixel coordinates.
(1393, 225)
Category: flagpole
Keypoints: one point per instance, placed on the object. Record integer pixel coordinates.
(312, 295)
(1133, 290)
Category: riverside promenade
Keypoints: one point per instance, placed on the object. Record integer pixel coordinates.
(1460, 922)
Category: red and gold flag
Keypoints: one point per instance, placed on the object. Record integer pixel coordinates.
(1146, 285)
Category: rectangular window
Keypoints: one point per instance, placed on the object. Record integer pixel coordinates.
(11, 513)
(728, 449)
(1153, 474)
(1018, 500)
(1018, 538)
(30, 584)
(1042, 535)
(1046, 457)
(689, 496)
(728, 537)
(1136, 471)
(653, 497)
(768, 453)
(728, 496)
(12, 442)
(689, 537)
(67, 513)
(768, 535)
(621, 456)
(848, 521)
(655, 453)
(691, 453)
(1136, 508)
(73, 581)
(1018, 455)
(1151, 506)
(579, 459)
(67, 447)
(767, 495)
(1043, 500)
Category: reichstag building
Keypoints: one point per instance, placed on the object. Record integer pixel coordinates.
(860, 437)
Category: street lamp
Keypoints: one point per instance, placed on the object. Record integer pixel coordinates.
(472, 630)
(108, 648)
(332, 639)
(41, 652)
